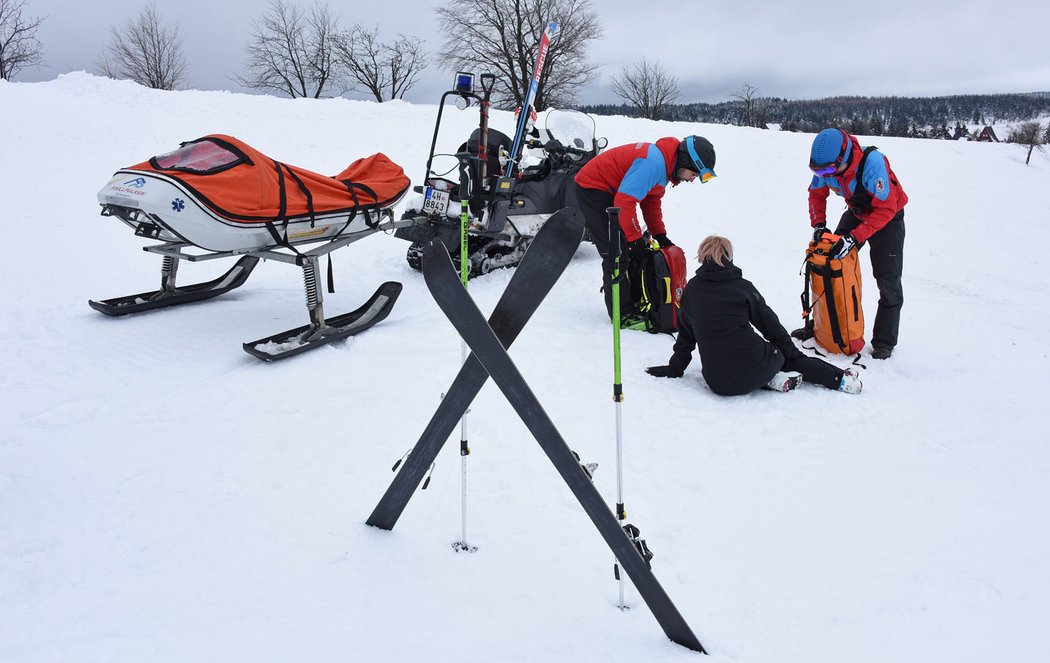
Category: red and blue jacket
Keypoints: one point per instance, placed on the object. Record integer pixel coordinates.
(887, 197)
(636, 175)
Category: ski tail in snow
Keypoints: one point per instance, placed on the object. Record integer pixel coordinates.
(549, 33)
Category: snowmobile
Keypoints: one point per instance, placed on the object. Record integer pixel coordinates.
(504, 203)
(217, 197)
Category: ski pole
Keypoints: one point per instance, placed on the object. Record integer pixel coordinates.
(464, 275)
(614, 253)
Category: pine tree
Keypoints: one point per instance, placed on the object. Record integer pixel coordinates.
(899, 126)
(877, 126)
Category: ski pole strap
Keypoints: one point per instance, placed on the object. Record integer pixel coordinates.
(464, 259)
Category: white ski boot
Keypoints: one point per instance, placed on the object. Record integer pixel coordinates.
(850, 382)
(785, 381)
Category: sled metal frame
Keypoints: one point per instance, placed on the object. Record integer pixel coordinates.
(319, 331)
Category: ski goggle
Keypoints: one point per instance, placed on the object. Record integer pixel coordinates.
(703, 172)
(825, 170)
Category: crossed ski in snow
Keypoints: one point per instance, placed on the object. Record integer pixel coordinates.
(540, 269)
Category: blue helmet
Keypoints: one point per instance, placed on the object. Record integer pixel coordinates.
(830, 147)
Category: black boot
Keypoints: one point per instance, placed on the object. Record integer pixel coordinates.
(879, 352)
(805, 332)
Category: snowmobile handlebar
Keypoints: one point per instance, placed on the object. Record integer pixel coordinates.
(555, 146)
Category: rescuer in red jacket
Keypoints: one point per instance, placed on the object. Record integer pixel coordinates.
(631, 177)
(874, 214)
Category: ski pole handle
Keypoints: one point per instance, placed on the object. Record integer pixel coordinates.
(614, 222)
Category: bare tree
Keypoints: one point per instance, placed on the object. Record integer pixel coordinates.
(747, 96)
(19, 47)
(1028, 134)
(406, 58)
(503, 36)
(647, 86)
(146, 51)
(387, 71)
(292, 52)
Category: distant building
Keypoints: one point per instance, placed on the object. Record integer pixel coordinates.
(987, 135)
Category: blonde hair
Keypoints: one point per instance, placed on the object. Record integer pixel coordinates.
(715, 249)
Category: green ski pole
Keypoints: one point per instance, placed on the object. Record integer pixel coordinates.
(614, 252)
(464, 275)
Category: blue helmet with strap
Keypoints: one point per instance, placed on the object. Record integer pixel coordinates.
(831, 147)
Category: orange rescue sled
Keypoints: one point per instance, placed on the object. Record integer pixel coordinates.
(218, 197)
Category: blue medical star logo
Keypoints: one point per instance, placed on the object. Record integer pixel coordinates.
(178, 205)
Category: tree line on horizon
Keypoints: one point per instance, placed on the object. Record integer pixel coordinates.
(946, 117)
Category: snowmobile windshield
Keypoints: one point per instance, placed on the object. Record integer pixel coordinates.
(571, 128)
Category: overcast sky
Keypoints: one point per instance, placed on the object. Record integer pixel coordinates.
(795, 50)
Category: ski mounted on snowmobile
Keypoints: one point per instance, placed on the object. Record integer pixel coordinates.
(508, 200)
(194, 201)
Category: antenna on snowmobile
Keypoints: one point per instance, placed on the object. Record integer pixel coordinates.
(488, 83)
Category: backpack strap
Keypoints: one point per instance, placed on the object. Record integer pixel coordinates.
(827, 274)
(860, 201)
(806, 309)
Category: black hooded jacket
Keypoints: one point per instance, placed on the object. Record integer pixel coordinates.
(719, 308)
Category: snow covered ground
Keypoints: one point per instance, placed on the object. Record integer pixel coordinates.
(166, 497)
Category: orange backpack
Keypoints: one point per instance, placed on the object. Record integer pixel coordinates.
(832, 296)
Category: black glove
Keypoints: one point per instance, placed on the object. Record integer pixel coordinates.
(664, 371)
(662, 240)
(637, 248)
(840, 248)
(818, 231)
(637, 252)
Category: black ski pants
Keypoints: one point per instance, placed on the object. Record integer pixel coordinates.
(815, 370)
(886, 251)
(593, 204)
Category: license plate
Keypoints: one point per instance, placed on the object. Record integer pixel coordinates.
(435, 202)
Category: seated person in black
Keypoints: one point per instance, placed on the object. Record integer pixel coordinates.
(720, 312)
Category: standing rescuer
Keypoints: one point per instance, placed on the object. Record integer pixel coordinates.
(875, 204)
(633, 176)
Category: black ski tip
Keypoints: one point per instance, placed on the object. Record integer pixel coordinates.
(432, 251)
(572, 218)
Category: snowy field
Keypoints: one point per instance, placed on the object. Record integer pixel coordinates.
(166, 497)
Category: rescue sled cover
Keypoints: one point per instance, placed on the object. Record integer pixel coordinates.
(221, 194)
